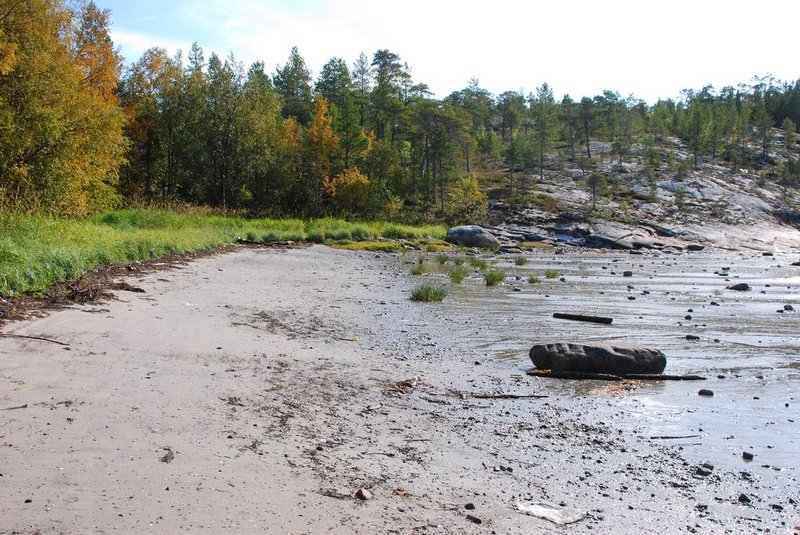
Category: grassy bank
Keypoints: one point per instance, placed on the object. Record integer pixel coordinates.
(38, 251)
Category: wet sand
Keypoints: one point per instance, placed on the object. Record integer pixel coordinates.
(257, 391)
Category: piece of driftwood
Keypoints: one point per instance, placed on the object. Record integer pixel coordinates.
(612, 377)
(40, 338)
(675, 437)
(488, 395)
(581, 317)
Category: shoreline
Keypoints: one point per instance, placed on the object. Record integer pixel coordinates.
(282, 381)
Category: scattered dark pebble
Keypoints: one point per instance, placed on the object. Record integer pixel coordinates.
(747, 456)
(692, 337)
(744, 498)
(705, 392)
(470, 506)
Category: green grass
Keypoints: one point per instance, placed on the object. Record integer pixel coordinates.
(494, 277)
(478, 263)
(534, 280)
(419, 269)
(520, 261)
(38, 251)
(551, 274)
(459, 260)
(428, 293)
(442, 258)
(458, 274)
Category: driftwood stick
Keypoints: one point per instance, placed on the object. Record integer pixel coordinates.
(4, 335)
(504, 396)
(676, 437)
(663, 377)
(581, 317)
(556, 374)
(17, 407)
(488, 395)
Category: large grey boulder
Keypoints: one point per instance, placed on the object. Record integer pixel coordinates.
(598, 357)
(472, 236)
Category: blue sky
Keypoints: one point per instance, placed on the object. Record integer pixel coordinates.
(580, 47)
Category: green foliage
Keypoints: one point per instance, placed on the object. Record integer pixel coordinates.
(419, 269)
(458, 274)
(534, 280)
(36, 251)
(520, 261)
(494, 277)
(467, 204)
(551, 273)
(478, 263)
(428, 293)
(442, 258)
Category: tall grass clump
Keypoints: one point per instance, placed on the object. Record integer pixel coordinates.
(520, 261)
(551, 273)
(494, 277)
(442, 258)
(534, 280)
(458, 274)
(478, 263)
(428, 293)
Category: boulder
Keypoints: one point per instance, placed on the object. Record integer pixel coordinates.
(598, 357)
(471, 236)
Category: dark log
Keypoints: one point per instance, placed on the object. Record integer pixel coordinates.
(611, 377)
(581, 317)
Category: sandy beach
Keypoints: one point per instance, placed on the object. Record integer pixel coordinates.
(258, 391)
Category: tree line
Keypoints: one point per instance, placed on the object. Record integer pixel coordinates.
(80, 132)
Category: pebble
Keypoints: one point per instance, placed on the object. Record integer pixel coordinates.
(692, 337)
(705, 392)
(747, 456)
(744, 498)
(470, 506)
(364, 494)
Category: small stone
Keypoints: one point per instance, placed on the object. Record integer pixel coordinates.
(747, 456)
(627, 273)
(687, 317)
(702, 472)
(705, 392)
(740, 287)
(744, 498)
(788, 308)
(364, 494)
(692, 337)
(470, 506)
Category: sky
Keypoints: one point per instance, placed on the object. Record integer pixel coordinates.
(579, 47)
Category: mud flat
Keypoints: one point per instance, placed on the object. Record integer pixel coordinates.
(260, 390)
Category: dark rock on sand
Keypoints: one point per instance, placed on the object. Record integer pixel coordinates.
(471, 236)
(619, 359)
(740, 287)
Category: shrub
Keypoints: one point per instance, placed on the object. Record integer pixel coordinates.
(534, 280)
(442, 258)
(428, 293)
(520, 261)
(551, 274)
(494, 277)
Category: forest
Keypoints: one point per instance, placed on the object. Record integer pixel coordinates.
(82, 130)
